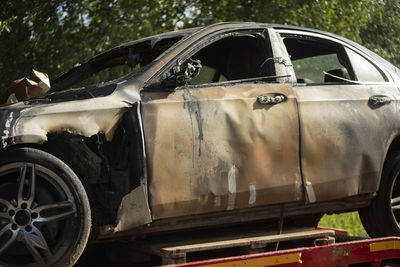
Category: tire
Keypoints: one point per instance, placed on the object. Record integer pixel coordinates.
(382, 217)
(44, 210)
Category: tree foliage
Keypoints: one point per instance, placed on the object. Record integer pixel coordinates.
(381, 33)
(52, 36)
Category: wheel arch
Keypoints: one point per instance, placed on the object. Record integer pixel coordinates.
(378, 218)
(108, 169)
(76, 152)
(54, 144)
(392, 147)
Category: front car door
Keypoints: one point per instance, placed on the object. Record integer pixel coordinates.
(215, 144)
(346, 106)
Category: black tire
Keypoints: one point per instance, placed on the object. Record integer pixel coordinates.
(382, 217)
(44, 210)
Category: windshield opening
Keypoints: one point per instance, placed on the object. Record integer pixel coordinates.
(113, 64)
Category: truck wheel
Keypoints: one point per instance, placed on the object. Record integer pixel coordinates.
(382, 217)
(44, 210)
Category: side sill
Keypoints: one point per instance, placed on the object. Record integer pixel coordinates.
(240, 216)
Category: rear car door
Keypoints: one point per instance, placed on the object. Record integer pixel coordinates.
(345, 106)
(215, 144)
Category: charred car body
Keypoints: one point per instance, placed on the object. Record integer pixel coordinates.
(229, 123)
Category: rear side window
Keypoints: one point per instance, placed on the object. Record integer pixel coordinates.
(364, 70)
(311, 69)
(317, 60)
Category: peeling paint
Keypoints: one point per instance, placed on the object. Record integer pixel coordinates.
(253, 194)
(231, 188)
(310, 193)
(6, 132)
(81, 117)
(134, 210)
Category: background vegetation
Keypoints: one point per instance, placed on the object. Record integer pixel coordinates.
(349, 221)
(53, 35)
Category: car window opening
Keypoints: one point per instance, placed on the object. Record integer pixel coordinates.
(318, 61)
(232, 59)
(313, 61)
(113, 65)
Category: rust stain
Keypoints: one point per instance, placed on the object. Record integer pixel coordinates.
(240, 133)
(192, 104)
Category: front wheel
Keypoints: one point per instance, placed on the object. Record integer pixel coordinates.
(382, 217)
(44, 211)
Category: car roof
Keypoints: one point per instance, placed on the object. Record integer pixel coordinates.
(237, 25)
(233, 25)
(365, 50)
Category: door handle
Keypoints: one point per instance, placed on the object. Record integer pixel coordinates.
(377, 101)
(266, 99)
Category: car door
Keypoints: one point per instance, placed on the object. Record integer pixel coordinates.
(219, 143)
(345, 107)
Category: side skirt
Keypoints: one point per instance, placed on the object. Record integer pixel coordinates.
(241, 216)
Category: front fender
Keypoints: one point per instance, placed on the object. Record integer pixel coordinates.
(31, 123)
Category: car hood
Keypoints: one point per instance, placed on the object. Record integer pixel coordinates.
(84, 112)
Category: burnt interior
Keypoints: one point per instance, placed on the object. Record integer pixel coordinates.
(234, 58)
(317, 57)
(303, 48)
(108, 170)
(134, 56)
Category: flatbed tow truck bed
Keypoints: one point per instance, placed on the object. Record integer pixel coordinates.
(324, 252)
(297, 247)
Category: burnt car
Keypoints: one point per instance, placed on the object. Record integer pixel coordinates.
(225, 124)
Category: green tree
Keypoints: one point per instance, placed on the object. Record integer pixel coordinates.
(52, 36)
(342, 17)
(375, 24)
(382, 31)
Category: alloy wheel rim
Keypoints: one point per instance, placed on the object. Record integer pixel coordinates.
(25, 217)
(395, 200)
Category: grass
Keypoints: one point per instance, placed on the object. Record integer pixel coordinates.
(349, 221)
